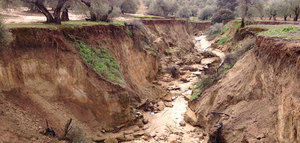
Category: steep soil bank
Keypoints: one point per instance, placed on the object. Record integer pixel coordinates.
(258, 99)
(44, 77)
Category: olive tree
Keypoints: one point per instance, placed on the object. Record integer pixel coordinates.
(100, 10)
(41, 6)
(163, 7)
(222, 14)
(184, 12)
(249, 8)
(129, 6)
(284, 9)
(206, 12)
(295, 8)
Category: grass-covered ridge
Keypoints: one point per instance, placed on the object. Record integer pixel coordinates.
(101, 61)
(285, 32)
(74, 23)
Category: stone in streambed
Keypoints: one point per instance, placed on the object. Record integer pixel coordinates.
(168, 104)
(160, 105)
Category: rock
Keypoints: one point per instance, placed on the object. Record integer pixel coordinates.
(184, 80)
(182, 123)
(160, 105)
(168, 98)
(173, 138)
(168, 104)
(147, 136)
(121, 138)
(190, 117)
(208, 61)
(198, 60)
(138, 134)
(111, 140)
(145, 121)
(140, 124)
(174, 71)
(173, 98)
(224, 48)
(189, 68)
(129, 137)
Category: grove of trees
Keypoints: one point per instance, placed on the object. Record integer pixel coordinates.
(99, 10)
(215, 10)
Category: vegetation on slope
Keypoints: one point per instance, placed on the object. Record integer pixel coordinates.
(64, 24)
(285, 32)
(100, 60)
(5, 35)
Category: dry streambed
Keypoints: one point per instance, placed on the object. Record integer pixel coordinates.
(170, 120)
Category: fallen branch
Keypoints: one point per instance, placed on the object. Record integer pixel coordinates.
(49, 131)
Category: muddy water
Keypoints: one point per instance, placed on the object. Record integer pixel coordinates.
(201, 44)
(168, 125)
(164, 126)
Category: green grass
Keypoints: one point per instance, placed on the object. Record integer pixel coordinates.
(224, 39)
(148, 16)
(238, 26)
(102, 62)
(128, 32)
(64, 24)
(199, 88)
(285, 32)
(226, 28)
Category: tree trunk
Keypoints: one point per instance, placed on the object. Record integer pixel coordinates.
(285, 18)
(105, 17)
(243, 23)
(65, 15)
(57, 11)
(296, 17)
(270, 17)
(274, 18)
(44, 10)
(296, 11)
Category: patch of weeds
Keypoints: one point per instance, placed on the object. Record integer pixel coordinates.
(227, 67)
(238, 26)
(105, 41)
(285, 32)
(215, 29)
(223, 40)
(195, 95)
(128, 32)
(77, 136)
(227, 27)
(72, 23)
(201, 86)
(102, 62)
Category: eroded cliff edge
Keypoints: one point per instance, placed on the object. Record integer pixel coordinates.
(44, 77)
(258, 99)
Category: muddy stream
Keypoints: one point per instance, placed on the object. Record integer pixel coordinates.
(168, 125)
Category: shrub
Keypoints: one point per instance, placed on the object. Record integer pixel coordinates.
(5, 35)
(184, 12)
(222, 14)
(163, 7)
(129, 6)
(77, 136)
(201, 86)
(206, 13)
(215, 29)
(223, 40)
